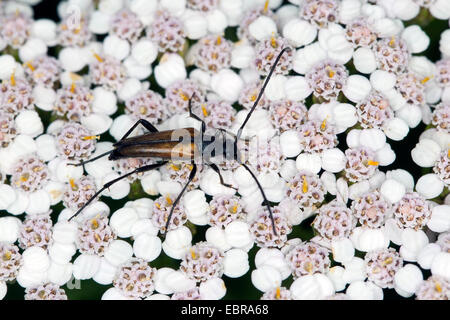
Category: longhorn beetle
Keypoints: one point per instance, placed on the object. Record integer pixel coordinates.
(170, 144)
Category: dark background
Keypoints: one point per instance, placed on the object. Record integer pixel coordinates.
(242, 288)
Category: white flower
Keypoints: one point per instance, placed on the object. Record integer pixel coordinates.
(356, 88)
(114, 294)
(3, 289)
(33, 48)
(312, 287)
(122, 221)
(118, 252)
(407, 280)
(266, 278)
(427, 254)
(412, 243)
(236, 263)
(274, 258)
(35, 259)
(364, 290)
(105, 273)
(195, 24)
(227, 84)
(59, 274)
(85, 266)
(441, 265)
(170, 69)
(238, 235)
(263, 27)
(212, 289)
(177, 242)
(430, 186)
(440, 218)
(147, 247)
(178, 281)
(299, 32)
(61, 253)
(342, 250)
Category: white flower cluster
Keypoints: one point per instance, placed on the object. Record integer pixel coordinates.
(356, 80)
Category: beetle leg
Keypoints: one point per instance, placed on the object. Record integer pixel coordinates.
(266, 202)
(110, 183)
(191, 177)
(193, 115)
(217, 170)
(147, 125)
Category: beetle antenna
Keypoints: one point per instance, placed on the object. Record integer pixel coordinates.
(238, 136)
(266, 202)
(82, 163)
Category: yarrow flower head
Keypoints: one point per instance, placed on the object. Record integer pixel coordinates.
(126, 25)
(441, 117)
(371, 209)
(308, 258)
(203, 5)
(43, 70)
(334, 221)
(443, 73)
(434, 288)
(224, 209)
(306, 189)
(249, 18)
(216, 114)
(412, 211)
(202, 262)
(262, 228)
(411, 88)
(48, 291)
(374, 110)
(15, 29)
(249, 94)
(161, 210)
(442, 167)
(16, 95)
(213, 53)
(288, 114)
(279, 293)
(75, 142)
(147, 105)
(126, 165)
(74, 33)
(191, 294)
(30, 174)
(36, 231)
(382, 265)
(8, 129)
(179, 93)
(167, 31)
(327, 78)
(179, 172)
(107, 71)
(360, 164)
(267, 51)
(95, 235)
(136, 279)
(73, 102)
(360, 33)
(78, 192)
(10, 261)
(444, 241)
(317, 136)
(320, 12)
(392, 54)
(265, 157)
